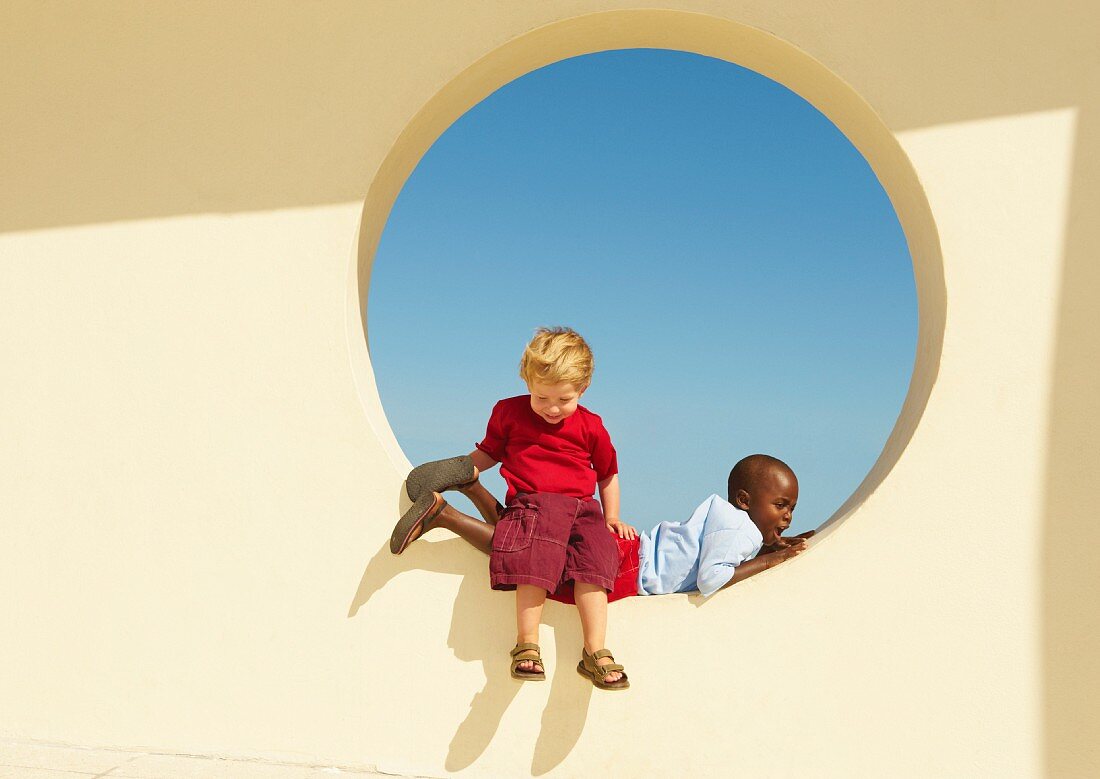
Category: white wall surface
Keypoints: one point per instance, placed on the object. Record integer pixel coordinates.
(198, 481)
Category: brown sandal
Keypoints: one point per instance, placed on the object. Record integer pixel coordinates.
(527, 653)
(589, 669)
(414, 521)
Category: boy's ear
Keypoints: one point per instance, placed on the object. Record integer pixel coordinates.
(741, 500)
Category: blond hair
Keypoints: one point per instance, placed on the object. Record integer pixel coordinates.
(557, 355)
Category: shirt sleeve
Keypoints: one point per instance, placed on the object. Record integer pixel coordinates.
(496, 434)
(605, 460)
(722, 551)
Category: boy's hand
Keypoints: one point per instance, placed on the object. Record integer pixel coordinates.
(777, 556)
(785, 543)
(621, 529)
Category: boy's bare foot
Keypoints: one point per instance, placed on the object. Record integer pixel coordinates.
(613, 676)
(529, 665)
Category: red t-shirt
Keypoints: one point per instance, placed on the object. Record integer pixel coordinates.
(566, 458)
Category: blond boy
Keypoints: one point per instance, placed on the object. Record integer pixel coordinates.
(554, 454)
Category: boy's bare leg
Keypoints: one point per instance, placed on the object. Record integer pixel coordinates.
(529, 602)
(483, 501)
(592, 604)
(477, 533)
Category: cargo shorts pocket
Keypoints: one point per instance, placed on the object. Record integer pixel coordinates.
(514, 530)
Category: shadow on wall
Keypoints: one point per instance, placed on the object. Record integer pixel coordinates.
(165, 109)
(475, 607)
(1071, 533)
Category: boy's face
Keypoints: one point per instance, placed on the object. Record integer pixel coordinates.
(554, 402)
(771, 503)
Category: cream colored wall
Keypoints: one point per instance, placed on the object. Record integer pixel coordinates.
(198, 481)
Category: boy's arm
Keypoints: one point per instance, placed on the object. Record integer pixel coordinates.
(482, 461)
(765, 561)
(609, 497)
(727, 555)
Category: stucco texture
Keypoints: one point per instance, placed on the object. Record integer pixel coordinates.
(198, 479)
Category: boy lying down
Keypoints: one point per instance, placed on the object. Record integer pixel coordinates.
(723, 542)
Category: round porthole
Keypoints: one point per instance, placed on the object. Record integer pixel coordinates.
(736, 249)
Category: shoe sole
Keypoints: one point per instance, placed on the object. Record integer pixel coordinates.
(439, 476)
(411, 524)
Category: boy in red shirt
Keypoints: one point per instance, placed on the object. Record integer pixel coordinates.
(554, 453)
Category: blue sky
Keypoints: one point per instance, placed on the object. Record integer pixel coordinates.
(732, 260)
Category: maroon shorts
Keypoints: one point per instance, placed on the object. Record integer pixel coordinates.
(626, 582)
(545, 539)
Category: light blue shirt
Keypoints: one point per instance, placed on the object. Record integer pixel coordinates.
(698, 554)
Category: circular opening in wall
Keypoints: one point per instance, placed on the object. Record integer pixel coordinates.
(731, 257)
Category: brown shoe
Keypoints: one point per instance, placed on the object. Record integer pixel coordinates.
(528, 653)
(594, 672)
(414, 522)
(439, 476)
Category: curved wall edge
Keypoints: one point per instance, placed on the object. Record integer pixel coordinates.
(710, 36)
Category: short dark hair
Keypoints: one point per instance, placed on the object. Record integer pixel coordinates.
(748, 472)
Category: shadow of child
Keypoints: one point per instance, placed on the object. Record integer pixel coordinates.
(481, 624)
(482, 627)
(566, 709)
